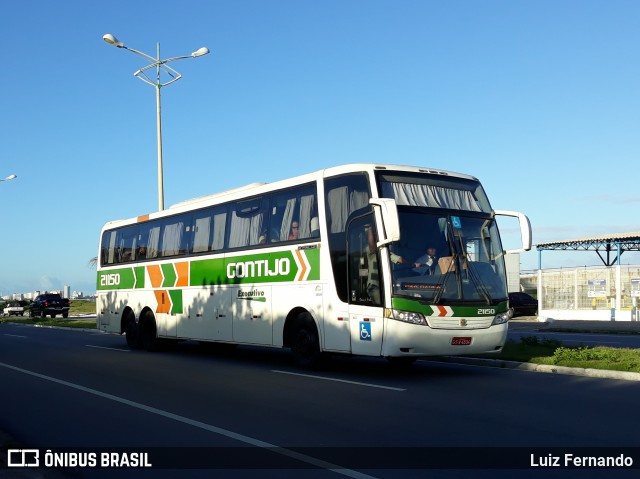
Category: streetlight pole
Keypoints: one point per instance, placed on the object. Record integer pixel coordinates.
(160, 66)
(10, 177)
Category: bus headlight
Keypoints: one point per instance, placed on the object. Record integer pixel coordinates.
(502, 317)
(406, 316)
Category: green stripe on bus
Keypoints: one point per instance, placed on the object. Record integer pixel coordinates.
(176, 301)
(138, 272)
(123, 278)
(272, 267)
(406, 304)
(313, 257)
(170, 276)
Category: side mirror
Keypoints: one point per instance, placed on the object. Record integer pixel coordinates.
(390, 230)
(525, 229)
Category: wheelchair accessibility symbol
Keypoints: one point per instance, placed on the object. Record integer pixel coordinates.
(365, 331)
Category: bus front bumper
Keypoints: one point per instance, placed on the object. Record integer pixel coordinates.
(405, 339)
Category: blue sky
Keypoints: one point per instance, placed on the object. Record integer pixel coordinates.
(539, 100)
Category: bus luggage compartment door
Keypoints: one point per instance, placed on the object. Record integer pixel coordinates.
(252, 315)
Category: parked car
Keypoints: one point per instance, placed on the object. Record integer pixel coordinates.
(523, 304)
(15, 308)
(50, 304)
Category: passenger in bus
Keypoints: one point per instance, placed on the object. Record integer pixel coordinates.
(295, 229)
(426, 264)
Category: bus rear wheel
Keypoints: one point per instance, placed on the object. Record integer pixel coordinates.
(132, 332)
(149, 332)
(306, 344)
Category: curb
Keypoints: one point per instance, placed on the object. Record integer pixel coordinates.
(541, 368)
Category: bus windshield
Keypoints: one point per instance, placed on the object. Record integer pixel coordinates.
(447, 256)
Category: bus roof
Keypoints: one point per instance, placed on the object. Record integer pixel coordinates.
(260, 187)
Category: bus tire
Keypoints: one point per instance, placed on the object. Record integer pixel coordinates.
(132, 331)
(305, 346)
(149, 332)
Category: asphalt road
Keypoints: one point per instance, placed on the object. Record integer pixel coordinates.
(246, 412)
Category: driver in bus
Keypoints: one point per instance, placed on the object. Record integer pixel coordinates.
(426, 264)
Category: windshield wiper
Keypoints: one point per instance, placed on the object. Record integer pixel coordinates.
(459, 265)
(440, 284)
(454, 260)
(471, 274)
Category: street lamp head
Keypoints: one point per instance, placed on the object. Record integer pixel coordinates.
(200, 51)
(10, 177)
(112, 40)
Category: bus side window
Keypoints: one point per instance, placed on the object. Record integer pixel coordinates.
(343, 195)
(175, 236)
(107, 255)
(153, 245)
(202, 233)
(247, 223)
(219, 228)
(125, 241)
(292, 214)
(141, 245)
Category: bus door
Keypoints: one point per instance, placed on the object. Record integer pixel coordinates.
(365, 287)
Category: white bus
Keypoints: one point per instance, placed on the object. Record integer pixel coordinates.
(330, 262)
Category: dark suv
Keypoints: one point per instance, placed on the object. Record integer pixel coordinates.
(50, 304)
(523, 304)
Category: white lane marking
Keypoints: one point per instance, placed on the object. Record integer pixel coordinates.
(369, 385)
(15, 335)
(111, 349)
(207, 427)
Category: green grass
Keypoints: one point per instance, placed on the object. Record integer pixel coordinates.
(81, 306)
(531, 349)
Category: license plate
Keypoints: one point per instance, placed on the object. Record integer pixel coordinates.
(461, 341)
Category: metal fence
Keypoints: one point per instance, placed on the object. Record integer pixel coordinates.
(585, 288)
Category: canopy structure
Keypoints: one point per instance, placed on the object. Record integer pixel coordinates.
(605, 244)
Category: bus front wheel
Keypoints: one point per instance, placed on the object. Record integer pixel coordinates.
(306, 344)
